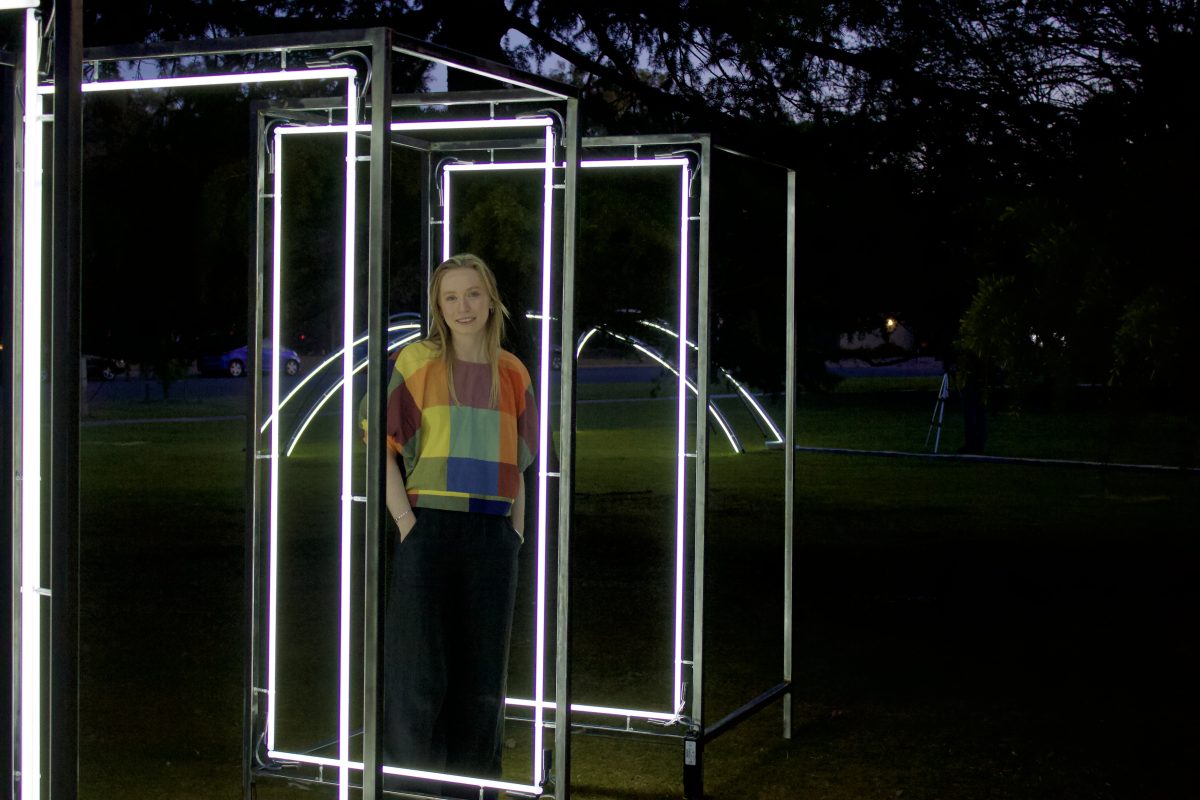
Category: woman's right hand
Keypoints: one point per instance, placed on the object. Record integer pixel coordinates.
(406, 524)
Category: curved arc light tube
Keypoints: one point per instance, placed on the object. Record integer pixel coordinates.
(718, 416)
(747, 398)
(333, 390)
(327, 362)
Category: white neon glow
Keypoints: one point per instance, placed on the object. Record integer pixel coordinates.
(15, 5)
(681, 453)
(462, 780)
(750, 400)
(583, 708)
(186, 81)
(331, 359)
(31, 427)
(586, 338)
(431, 125)
(347, 435)
(445, 215)
(588, 164)
(333, 390)
(539, 688)
(273, 485)
(641, 163)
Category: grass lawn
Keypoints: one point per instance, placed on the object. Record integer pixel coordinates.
(963, 630)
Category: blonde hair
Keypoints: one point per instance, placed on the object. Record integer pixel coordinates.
(440, 336)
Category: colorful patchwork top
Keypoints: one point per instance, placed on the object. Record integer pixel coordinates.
(464, 457)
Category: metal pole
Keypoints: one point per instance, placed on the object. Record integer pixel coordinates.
(11, 135)
(378, 293)
(789, 452)
(693, 761)
(65, 396)
(566, 467)
(253, 667)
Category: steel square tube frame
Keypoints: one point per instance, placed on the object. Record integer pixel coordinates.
(64, 436)
(695, 733)
(273, 450)
(65, 531)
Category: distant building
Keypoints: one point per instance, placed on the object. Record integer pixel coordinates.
(892, 333)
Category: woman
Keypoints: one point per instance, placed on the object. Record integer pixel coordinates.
(461, 417)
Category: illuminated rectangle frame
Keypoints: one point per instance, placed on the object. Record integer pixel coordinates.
(548, 165)
(28, 408)
(683, 164)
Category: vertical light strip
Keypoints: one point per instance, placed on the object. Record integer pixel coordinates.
(273, 487)
(347, 436)
(445, 214)
(543, 457)
(681, 454)
(31, 427)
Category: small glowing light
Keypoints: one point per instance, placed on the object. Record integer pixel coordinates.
(890, 323)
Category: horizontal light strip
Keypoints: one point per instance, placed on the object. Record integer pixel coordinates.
(185, 81)
(435, 125)
(586, 709)
(14, 5)
(593, 164)
(304, 758)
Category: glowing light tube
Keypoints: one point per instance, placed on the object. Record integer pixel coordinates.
(273, 480)
(445, 215)
(539, 688)
(347, 498)
(333, 390)
(16, 5)
(584, 340)
(681, 458)
(583, 708)
(184, 81)
(748, 398)
(462, 780)
(330, 360)
(31, 428)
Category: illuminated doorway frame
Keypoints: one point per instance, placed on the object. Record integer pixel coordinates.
(32, 535)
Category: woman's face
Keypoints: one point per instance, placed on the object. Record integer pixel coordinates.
(464, 302)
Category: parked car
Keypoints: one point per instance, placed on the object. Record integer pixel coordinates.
(233, 362)
(103, 368)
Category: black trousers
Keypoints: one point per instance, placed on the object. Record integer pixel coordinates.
(448, 619)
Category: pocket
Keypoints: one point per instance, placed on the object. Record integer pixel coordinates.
(412, 531)
(513, 530)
